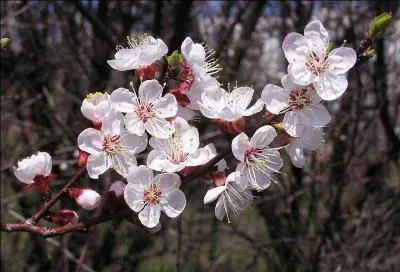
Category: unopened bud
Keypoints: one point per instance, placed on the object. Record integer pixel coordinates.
(118, 188)
(82, 158)
(175, 58)
(329, 48)
(379, 25)
(63, 217)
(4, 42)
(86, 198)
(369, 53)
(278, 126)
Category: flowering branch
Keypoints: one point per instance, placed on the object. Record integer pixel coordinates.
(42, 211)
(171, 91)
(46, 232)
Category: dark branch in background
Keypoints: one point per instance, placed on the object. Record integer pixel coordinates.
(380, 80)
(252, 17)
(225, 36)
(157, 24)
(181, 24)
(98, 26)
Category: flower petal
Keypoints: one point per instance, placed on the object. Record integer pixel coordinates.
(174, 203)
(201, 156)
(214, 98)
(331, 86)
(141, 176)
(275, 98)
(240, 98)
(133, 197)
(159, 127)
(213, 194)
(124, 100)
(294, 124)
(295, 47)
(97, 164)
(113, 123)
(95, 106)
(122, 162)
(316, 33)
(257, 107)
(300, 74)
(296, 154)
(166, 106)
(240, 145)
(150, 215)
(151, 50)
(149, 91)
(197, 54)
(125, 59)
(188, 135)
(342, 59)
(318, 114)
(91, 140)
(159, 161)
(263, 137)
(169, 182)
(256, 179)
(220, 211)
(134, 124)
(134, 143)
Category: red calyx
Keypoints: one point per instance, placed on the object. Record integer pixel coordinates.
(42, 184)
(231, 127)
(179, 94)
(82, 158)
(147, 72)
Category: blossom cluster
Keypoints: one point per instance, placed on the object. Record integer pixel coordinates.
(172, 90)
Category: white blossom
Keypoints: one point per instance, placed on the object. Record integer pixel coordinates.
(310, 62)
(149, 195)
(96, 106)
(300, 104)
(257, 160)
(231, 197)
(149, 111)
(216, 103)
(310, 140)
(141, 53)
(38, 164)
(202, 67)
(110, 147)
(180, 150)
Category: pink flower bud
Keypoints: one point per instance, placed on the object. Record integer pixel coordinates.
(118, 188)
(64, 217)
(86, 198)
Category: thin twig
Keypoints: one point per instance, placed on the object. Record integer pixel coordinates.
(41, 212)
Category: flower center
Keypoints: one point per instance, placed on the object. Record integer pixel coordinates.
(177, 155)
(317, 64)
(298, 99)
(144, 112)
(112, 145)
(96, 98)
(251, 155)
(152, 196)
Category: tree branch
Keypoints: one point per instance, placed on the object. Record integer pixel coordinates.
(41, 212)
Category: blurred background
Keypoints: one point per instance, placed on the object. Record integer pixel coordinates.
(340, 213)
